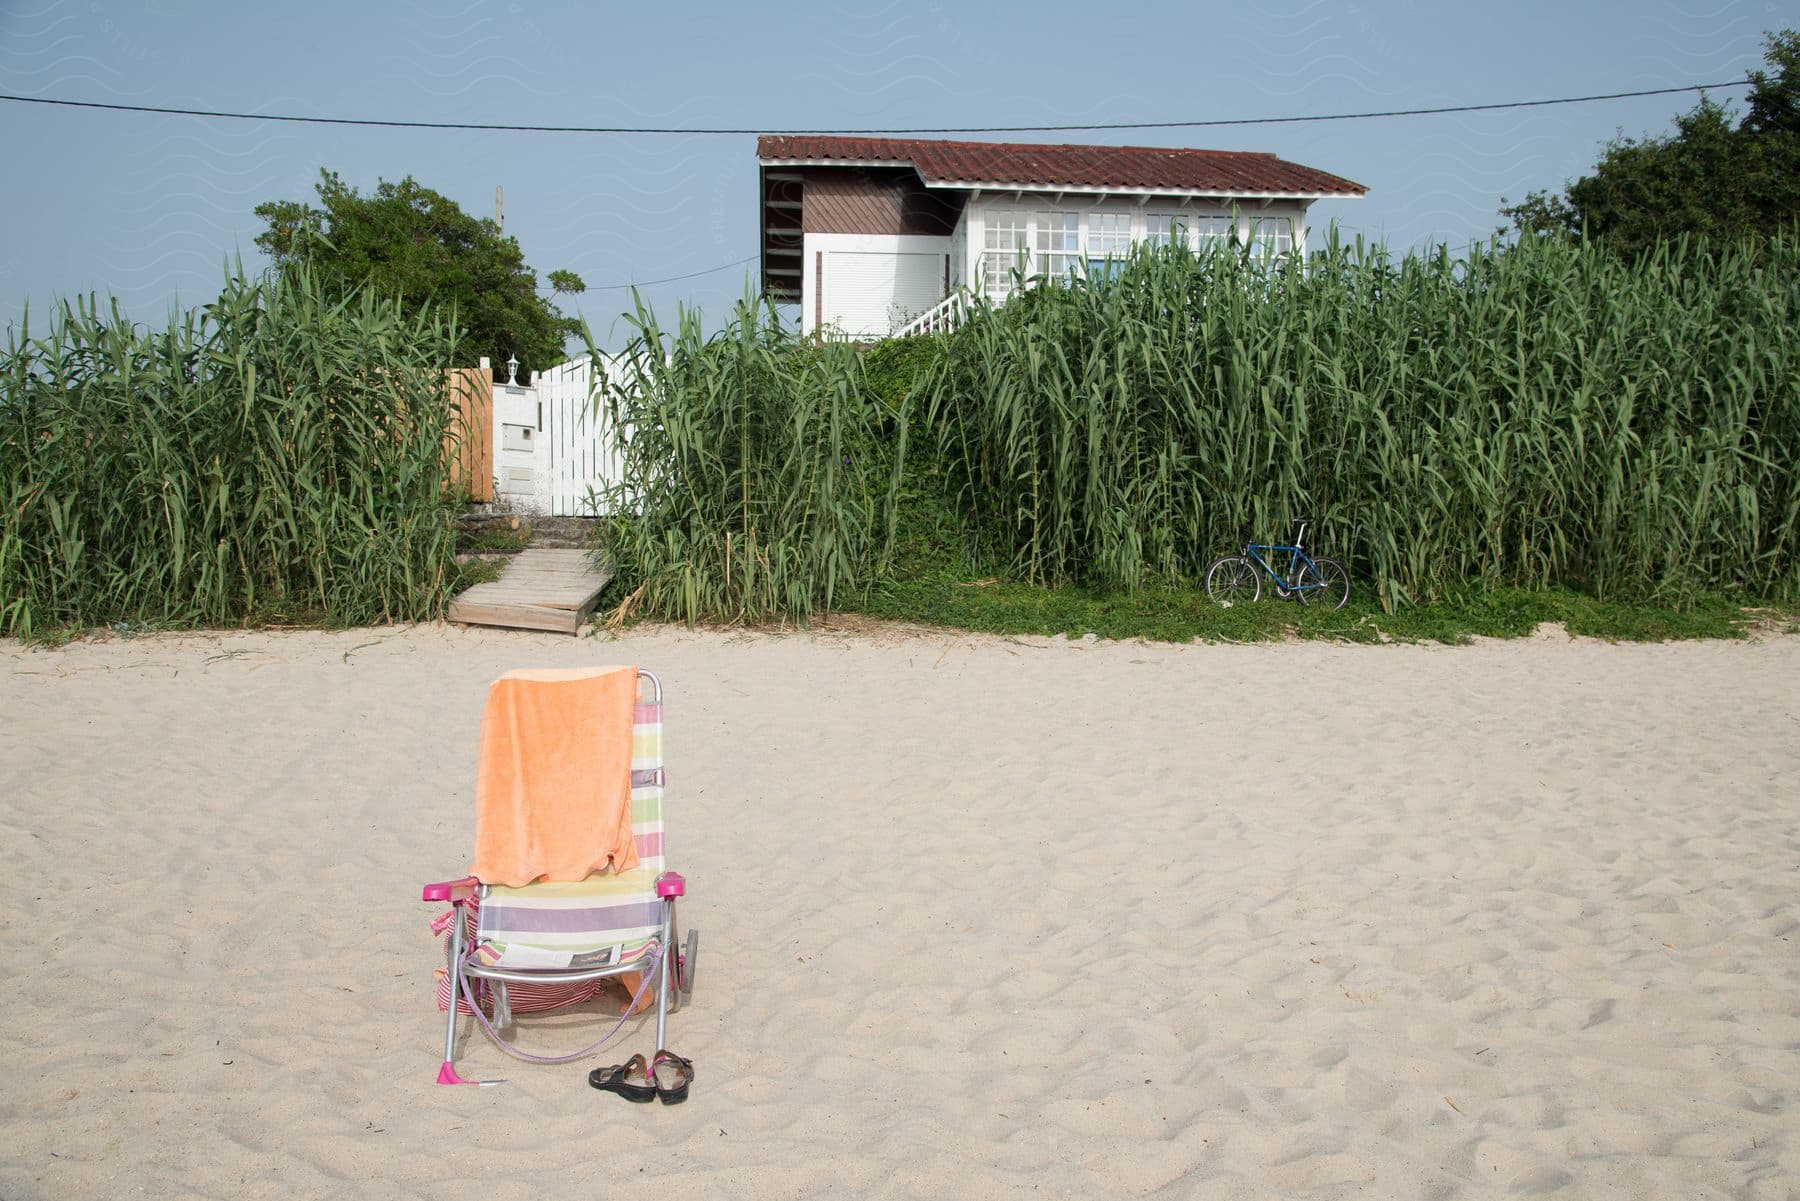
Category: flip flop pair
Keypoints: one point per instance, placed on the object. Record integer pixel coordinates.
(637, 1081)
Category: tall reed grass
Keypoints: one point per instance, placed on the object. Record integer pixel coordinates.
(277, 455)
(1543, 414)
(755, 475)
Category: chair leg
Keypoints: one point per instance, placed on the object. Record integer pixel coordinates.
(447, 1073)
(662, 971)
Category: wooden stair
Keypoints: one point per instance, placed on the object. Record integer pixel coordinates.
(542, 588)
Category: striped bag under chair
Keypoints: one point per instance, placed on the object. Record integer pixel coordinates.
(607, 919)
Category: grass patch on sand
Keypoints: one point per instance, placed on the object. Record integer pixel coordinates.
(467, 574)
(1184, 615)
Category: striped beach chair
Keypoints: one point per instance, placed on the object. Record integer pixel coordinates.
(549, 945)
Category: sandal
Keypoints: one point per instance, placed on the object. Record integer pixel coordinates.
(619, 1079)
(676, 1066)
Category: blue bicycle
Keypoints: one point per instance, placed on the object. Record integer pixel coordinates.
(1296, 575)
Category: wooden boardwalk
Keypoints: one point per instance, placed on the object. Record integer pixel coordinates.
(539, 590)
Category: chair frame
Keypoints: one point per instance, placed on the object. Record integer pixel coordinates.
(458, 893)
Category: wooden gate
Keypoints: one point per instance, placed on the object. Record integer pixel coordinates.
(470, 441)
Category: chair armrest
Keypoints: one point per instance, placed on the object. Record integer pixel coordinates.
(454, 891)
(671, 884)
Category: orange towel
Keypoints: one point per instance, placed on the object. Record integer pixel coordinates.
(553, 786)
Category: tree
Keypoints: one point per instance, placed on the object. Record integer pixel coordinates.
(1708, 177)
(420, 245)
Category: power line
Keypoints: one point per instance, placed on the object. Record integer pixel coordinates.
(647, 283)
(649, 130)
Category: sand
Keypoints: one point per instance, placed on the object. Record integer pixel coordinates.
(980, 918)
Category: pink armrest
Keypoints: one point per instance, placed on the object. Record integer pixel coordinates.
(454, 891)
(671, 884)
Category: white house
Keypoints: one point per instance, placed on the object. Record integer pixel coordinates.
(874, 236)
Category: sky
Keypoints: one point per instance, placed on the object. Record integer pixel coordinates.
(151, 208)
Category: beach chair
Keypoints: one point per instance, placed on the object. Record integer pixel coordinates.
(512, 949)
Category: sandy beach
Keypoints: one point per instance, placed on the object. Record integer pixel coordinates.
(980, 917)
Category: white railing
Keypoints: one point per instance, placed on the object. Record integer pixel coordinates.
(942, 317)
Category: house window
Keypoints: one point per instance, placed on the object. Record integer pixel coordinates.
(1272, 235)
(1162, 229)
(1196, 232)
(1108, 242)
(1058, 244)
(1004, 242)
(1214, 230)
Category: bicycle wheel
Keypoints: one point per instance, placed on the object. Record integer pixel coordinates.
(1324, 583)
(1233, 580)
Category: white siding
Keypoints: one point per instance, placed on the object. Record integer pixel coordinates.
(959, 250)
(870, 292)
(865, 286)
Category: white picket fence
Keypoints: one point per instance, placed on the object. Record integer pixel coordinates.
(581, 446)
(556, 448)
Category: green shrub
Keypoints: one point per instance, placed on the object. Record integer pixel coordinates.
(756, 472)
(1538, 415)
(274, 456)
(1525, 418)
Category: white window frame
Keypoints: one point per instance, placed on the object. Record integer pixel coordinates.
(1198, 231)
(1272, 236)
(1208, 229)
(1109, 235)
(999, 262)
(1175, 227)
(1056, 248)
(1024, 223)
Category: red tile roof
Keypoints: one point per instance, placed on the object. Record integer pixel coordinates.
(1157, 168)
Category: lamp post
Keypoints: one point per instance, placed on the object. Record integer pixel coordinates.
(512, 368)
